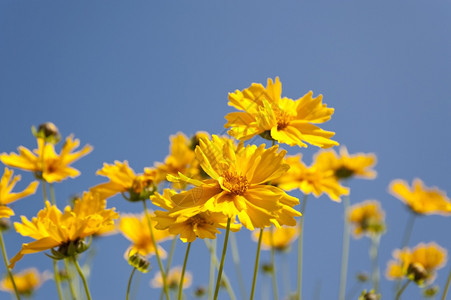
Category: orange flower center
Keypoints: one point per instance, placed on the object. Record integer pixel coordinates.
(283, 119)
(199, 219)
(236, 184)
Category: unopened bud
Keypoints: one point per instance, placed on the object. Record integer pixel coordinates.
(362, 277)
(267, 268)
(371, 295)
(200, 292)
(139, 262)
(47, 131)
(430, 291)
(5, 224)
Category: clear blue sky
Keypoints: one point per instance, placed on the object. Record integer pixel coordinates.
(123, 76)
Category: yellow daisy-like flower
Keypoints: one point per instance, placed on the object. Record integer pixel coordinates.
(66, 230)
(7, 183)
(419, 265)
(266, 113)
(197, 224)
(45, 162)
(27, 281)
(421, 199)
(124, 180)
(136, 229)
(238, 184)
(346, 166)
(367, 218)
(316, 179)
(279, 238)
(172, 279)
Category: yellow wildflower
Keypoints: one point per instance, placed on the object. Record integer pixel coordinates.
(238, 183)
(27, 281)
(279, 238)
(172, 279)
(44, 161)
(7, 183)
(266, 113)
(66, 230)
(421, 199)
(419, 264)
(202, 224)
(367, 218)
(124, 180)
(136, 229)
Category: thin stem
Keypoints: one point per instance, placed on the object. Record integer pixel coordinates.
(44, 189)
(221, 266)
(69, 279)
(273, 265)
(183, 271)
(129, 284)
(52, 194)
(375, 274)
(213, 259)
(345, 249)
(157, 254)
(5, 259)
(398, 294)
(408, 230)
(445, 291)
(300, 246)
(83, 278)
(286, 274)
(257, 258)
(169, 261)
(236, 262)
(57, 279)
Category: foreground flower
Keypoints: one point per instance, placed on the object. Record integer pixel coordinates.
(45, 163)
(279, 238)
(238, 185)
(173, 279)
(367, 218)
(7, 183)
(124, 180)
(419, 264)
(421, 199)
(66, 230)
(27, 282)
(197, 224)
(136, 229)
(266, 113)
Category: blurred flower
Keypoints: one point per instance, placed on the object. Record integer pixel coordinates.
(7, 183)
(172, 279)
(238, 185)
(44, 161)
(136, 229)
(367, 218)
(281, 238)
(51, 228)
(419, 264)
(27, 281)
(266, 113)
(371, 295)
(421, 199)
(124, 180)
(196, 224)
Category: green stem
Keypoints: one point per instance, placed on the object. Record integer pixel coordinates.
(183, 271)
(286, 274)
(345, 249)
(57, 279)
(169, 261)
(52, 194)
(273, 265)
(44, 190)
(375, 274)
(69, 279)
(236, 262)
(445, 291)
(300, 246)
(83, 278)
(221, 266)
(5, 259)
(398, 294)
(405, 239)
(213, 260)
(257, 258)
(129, 284)
(157, 254)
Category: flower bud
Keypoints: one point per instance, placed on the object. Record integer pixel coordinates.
(5, 224)
(200, 292)
(430, 291)
(267, 268)
(48, 132)
(417, 272)
(362, 277)
(139, 262)
(371, 295)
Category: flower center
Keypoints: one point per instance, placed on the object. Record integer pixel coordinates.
(283, 119)
(200, 219)
(236, 184)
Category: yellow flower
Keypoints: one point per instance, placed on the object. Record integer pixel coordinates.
(287, 121)
(26, 281)
(421, 199)
(238, 183)
(172, 279)
(346, 166)
(124, 180)
(44, 161)
(281, 238)
(419, 264)
(202, 224)
(7, 183)
(367, 218)
(66, 230)
(136, 229)
(316, 179)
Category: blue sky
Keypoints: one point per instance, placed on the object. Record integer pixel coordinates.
(123, 76)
